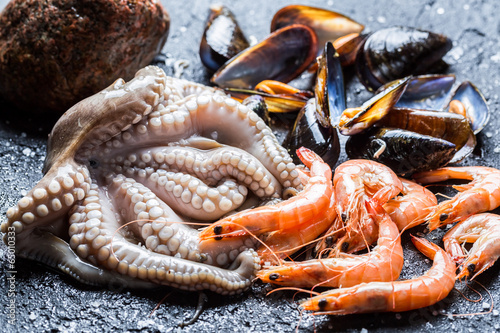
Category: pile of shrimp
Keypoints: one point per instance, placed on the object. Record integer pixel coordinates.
(362, 203)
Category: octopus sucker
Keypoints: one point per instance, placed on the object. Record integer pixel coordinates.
(155, 151)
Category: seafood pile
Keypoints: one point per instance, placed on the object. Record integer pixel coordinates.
(131, 169)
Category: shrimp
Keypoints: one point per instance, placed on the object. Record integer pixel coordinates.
(302, 217)
(484, 231)
(394, 296)
(354, 181)
(383, 263)
(480, 195)
(409, 210)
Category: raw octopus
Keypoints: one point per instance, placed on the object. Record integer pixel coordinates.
(158, 151)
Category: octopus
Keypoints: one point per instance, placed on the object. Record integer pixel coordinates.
(128, 167)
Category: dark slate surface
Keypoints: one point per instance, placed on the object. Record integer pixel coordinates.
(49, 301)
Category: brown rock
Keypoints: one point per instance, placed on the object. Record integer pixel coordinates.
(54, 53)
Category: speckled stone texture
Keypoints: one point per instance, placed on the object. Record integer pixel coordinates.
(46, 300)
(54, 53)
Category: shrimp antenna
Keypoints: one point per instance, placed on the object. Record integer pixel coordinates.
(475, 301)
(159, 303)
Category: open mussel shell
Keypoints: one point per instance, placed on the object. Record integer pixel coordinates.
(274, 103)
(405, 152)
(282, 56)
(348, 46)
(478, 112)
(312, 131)
(356, 120)
(448, 126)
(327, 25)
(329, 89)
(396, 52)
(428, 92)
(257, 104)
(222, 38)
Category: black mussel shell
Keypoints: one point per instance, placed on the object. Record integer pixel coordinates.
(478, 112)
(282, 56)
(428, 92)
(257, 104)
(309, 131)
(405, 152)
(448, 126)
(348, 47)
(356, 120)
(222, 38)
(274, 103)
(329, 89)
(396, 52)
(327, 25)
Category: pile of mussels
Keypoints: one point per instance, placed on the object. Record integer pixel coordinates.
(414, 122)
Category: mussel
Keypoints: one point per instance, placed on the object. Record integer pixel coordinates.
(313, 127)
(327, 25)
(476, 108)
(274, 103)
(222, 38)
(257, 104)
(428, 92)
(396, 52)
(437, 92)
(405, 152)
(282, 56)
(356, 120)
(447, 126)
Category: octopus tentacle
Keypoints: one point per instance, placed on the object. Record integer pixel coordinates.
(158, 226)
(201, 116)
(101, 245)
(100, 117)
(53, 251)
(208, 165)
(190, 196)
(50, 200)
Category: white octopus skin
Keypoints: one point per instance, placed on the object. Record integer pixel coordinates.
(84, 198)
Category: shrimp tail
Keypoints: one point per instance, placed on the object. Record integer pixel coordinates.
(425, 247)
(307, 156)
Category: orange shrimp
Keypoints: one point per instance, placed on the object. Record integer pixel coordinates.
(480, 195)
(394, 296)
(410, 209)
(302, 217)
(384, 263)
(484, 231)
(354, 181)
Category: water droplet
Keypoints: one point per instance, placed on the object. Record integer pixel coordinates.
(440, 11)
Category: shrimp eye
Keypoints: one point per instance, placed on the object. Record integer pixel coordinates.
(273, 276)
(443, 217)
(344, 247)
(471, 268)
(329, 241)
(322, 303)
(218, 229)
(343, 216)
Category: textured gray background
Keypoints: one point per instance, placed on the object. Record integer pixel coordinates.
(49, 301)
